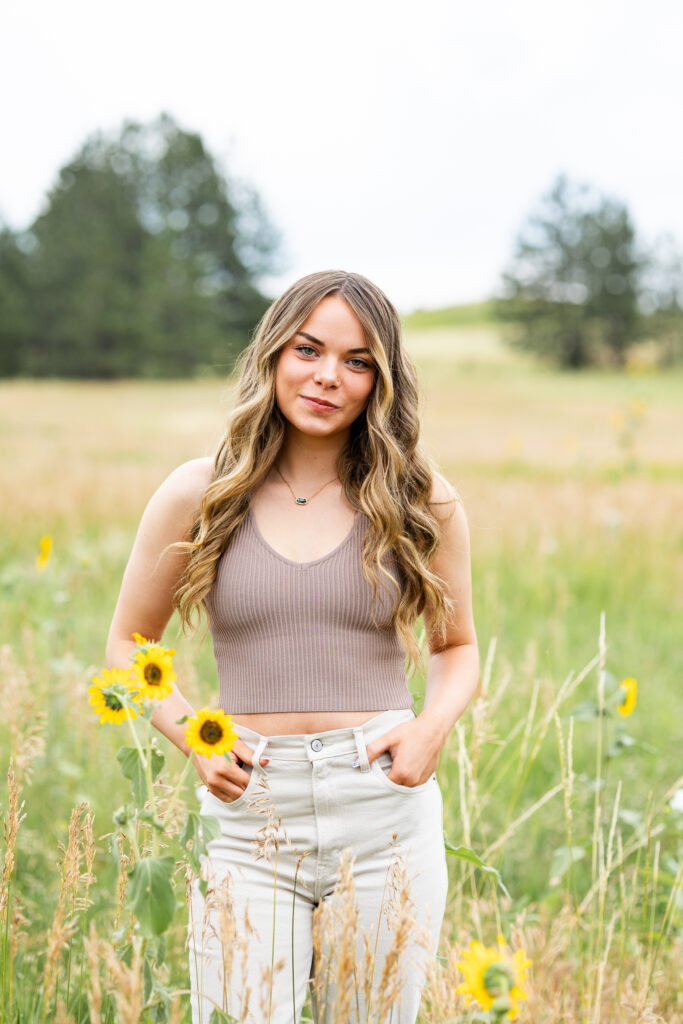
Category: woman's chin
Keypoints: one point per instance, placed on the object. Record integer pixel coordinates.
(312, 426)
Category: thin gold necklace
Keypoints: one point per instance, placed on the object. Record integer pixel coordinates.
(304, 501)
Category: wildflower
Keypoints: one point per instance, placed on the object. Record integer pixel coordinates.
(493, 977)
(210, 732)
(152, 666)
(110, 695)
(629, 701)
(45, 552)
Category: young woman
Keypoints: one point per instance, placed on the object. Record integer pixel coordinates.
(314, 539)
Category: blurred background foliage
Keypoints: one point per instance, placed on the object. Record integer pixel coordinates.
(581, 290)
(146, 262)
(143, 263)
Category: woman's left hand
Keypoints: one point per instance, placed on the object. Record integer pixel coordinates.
(414, 749)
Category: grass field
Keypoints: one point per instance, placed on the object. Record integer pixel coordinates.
(573, 487)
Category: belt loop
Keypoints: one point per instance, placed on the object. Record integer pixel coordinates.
(257, 755)
(362, 750)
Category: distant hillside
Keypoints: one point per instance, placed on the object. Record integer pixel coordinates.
(451, 316)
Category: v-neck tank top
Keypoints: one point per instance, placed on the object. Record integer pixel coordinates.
(304, 636)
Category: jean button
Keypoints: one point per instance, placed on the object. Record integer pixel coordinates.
(316, 745)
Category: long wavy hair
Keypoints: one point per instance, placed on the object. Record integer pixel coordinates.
(383, 470)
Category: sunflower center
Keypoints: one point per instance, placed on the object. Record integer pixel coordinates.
(211, 732)
(152, 674)
(498, 979)
(112, 702)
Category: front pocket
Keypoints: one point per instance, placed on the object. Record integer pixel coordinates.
(238, 799)
(382, 766)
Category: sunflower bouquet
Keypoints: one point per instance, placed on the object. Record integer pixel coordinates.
(147, 822)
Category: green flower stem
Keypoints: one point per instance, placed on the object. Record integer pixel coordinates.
(176, 791)
(146, 758)
(150, 783)
(133, 839)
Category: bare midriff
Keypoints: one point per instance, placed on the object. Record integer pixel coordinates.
(288, 723)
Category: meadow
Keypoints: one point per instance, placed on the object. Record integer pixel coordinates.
(573, 488)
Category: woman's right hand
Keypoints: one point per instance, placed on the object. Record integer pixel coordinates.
(223, 776)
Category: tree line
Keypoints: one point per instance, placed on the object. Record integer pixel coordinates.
(144, 262)
(581, 289)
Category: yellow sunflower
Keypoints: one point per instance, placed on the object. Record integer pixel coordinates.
(152, 667)
(629, 701)
(210, 732)
(493, 977)
(107, 695)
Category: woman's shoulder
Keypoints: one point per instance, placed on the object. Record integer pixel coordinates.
(443, 497)
(180, 494)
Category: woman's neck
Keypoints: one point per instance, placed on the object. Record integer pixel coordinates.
(309, 460)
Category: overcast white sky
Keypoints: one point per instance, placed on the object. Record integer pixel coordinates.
(403, 140)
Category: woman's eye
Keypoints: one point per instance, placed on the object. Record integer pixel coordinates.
(356, 362)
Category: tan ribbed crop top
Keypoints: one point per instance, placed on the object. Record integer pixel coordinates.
(303, 636)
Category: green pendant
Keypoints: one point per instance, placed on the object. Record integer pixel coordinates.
(301, 501)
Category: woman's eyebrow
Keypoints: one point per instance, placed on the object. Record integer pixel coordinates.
(319, 342)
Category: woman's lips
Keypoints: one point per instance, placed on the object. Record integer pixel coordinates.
(320, 406)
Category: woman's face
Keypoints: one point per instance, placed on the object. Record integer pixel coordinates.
(327, 359)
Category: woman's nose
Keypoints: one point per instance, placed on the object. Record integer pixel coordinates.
(326, 372)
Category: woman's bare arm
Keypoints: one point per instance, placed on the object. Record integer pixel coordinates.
(453, 671)
(145, 606)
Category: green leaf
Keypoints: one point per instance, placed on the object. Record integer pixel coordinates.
(152, 819)
(623, 742)
(125, 952)
(211, 828)
(156, 949)
(133, 768)
(158, 761)
(611, 683)
(199, 830)
(190, 828)
(219, 1017)
(586, 711)
(465, 853)
(147, 980)
(151, 893)
(191, 835)
(563, 856)
(155, 994)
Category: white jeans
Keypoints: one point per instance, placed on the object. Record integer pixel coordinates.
(311, 797)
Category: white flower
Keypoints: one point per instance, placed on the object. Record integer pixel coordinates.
(676, 801)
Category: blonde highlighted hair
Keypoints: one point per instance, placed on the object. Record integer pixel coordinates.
(383, 469)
